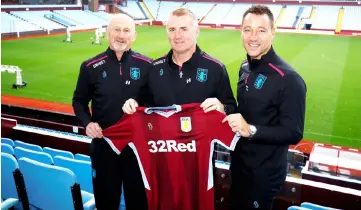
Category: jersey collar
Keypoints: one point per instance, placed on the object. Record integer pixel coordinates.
(111, 54)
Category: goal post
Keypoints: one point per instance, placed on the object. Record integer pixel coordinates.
(18, 73)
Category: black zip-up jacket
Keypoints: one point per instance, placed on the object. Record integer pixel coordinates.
(199, 78)
(108, 83)
(271, 96)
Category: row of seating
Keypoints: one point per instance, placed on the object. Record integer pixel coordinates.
(53, 161)
(52, 152)
(309, 206)
(28, 183)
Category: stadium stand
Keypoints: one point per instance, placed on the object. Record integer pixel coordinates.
(164, 9)
(351, 18)
(5, 148)
(234, 16)
(32, 147)
(53, 187)
(84, 19)
(82, 157)
(325, 17)
(133, 9)
(9, 194)
(313, 206)
(54, 152)
(37, 18)
(10, 24)
(218, 13)
(153, 7)
(8, 141)
(81, 169)
(34, 155)
(202, 11)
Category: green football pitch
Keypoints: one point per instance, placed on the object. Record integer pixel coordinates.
(330, 65)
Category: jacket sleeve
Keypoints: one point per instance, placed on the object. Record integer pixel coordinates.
(292, 115)
(224, 92)
(82, 96)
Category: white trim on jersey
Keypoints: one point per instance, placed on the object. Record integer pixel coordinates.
(131, 145)
(145, 180)
(210, 167)
(159, 111)
(112, 145)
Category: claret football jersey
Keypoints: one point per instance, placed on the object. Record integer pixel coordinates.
(174, 147)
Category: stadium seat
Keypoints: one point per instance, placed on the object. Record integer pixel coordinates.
(82, 157)
(81, 169)
(8, 186)
(28, 146)
(315, 206)
(53, 187)
(7, 141)
(5, 148)
(297, 208)
(34, 155)
(54, 152)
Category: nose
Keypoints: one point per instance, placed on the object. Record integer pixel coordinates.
(178, 34)
(254, 36)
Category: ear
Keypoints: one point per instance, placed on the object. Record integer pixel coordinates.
(197, 31)
(134, 36)
(108, 33)
(273, 32)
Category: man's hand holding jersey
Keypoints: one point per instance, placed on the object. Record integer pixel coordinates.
(238, 124)
(130, 106)
(211, 104)
(93, 130)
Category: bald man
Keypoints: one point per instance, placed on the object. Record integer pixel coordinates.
(108, 80)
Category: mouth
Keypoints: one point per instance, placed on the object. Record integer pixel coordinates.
(120, 41)
(254, 46)
(178, 43)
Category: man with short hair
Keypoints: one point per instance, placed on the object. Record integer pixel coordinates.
(271, 99)
(108, 80)
(186, 74)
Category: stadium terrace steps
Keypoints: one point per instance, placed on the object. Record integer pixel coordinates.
(68, 18)
(280, 16)
(339, 20)
(214, 5)
(146, 10)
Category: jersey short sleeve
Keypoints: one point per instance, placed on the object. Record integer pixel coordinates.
(220, 132)
(120, 134)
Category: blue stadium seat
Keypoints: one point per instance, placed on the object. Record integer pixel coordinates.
(34, 155)
(8, 141)
(82, 157)
(315, 206)
(297, 208)
(53, 187)
(28, 146)
(81, 169)
(54, 152)
(5, 148)
(8, 187)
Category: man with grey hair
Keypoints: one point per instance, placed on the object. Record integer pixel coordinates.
(108, 80)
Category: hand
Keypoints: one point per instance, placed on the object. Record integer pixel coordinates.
(130, 106)
(238, 124)
(93, 130)
(211, 104)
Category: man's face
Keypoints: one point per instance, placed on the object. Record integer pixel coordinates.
(121, 34)
(182, 33)
(257, 34)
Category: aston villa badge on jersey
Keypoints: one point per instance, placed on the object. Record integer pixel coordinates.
(186, 124)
